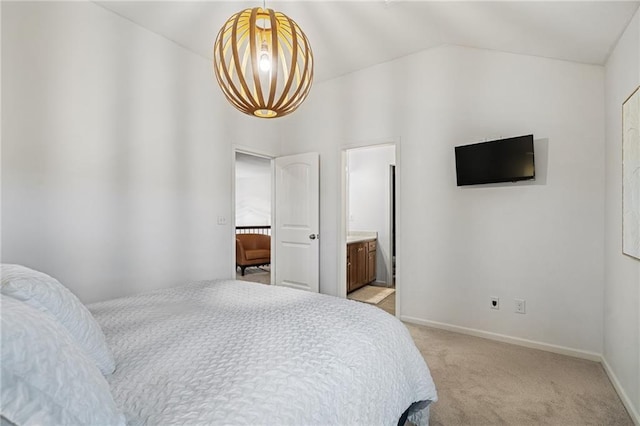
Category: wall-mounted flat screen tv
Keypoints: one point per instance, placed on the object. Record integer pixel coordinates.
(503, 160)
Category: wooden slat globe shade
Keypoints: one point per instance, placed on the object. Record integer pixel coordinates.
(263, 63)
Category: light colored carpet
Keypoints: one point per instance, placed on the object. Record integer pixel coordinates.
(370, 294)
(483, 382)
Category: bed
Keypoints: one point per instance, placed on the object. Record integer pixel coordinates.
(234, 352)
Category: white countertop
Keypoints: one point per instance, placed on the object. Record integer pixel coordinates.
(358, 236)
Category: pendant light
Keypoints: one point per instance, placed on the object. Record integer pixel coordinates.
(263, 62)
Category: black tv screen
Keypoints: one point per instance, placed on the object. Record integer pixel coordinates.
(503, 160)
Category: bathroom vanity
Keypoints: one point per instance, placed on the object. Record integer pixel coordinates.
(361, 260)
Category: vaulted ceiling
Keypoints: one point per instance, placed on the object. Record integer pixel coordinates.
(350, 35)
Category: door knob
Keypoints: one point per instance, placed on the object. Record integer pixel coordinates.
(313, 236)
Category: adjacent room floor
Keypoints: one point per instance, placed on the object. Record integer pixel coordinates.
(256, 274)
(379, 296)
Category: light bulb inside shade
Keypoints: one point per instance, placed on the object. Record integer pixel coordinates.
(265, 62)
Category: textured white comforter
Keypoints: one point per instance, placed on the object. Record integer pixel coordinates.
(233, 352)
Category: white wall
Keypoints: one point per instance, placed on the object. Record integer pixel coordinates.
(542, 242)
(253, 190)
(369, 199)
(116, 152)
(622, 273)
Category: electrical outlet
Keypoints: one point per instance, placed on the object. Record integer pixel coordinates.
(222, 220)
(495, 303)
(520, 306)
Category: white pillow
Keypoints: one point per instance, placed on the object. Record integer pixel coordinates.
(46, 378)
(47, 294)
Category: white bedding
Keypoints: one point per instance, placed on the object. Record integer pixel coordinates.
(233, 352)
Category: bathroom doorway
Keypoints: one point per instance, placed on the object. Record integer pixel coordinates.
(370, 235)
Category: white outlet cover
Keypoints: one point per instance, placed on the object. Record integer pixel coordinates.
(520, 306)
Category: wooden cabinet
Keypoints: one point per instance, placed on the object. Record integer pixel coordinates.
(361, 264)
(371, 261)
(356, 264)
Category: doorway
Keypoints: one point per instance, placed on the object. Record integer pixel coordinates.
(253, 216)
(370, 237)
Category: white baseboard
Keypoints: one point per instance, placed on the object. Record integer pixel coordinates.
(635, 416)
(592, 356)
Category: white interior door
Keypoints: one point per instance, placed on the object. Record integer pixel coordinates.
(297, 221)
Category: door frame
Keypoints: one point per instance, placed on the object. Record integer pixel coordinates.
(342, 232)
(232, 237)
(392, 222)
